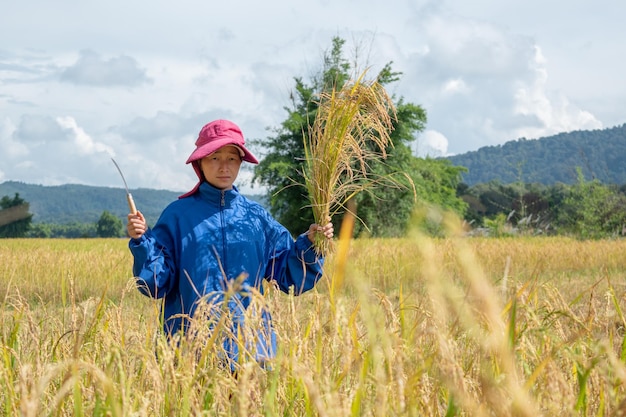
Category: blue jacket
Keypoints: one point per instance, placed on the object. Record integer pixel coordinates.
(203, 242)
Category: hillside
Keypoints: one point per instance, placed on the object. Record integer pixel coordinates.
(600, 154)
(84, 204)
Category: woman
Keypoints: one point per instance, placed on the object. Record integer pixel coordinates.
(216, 246)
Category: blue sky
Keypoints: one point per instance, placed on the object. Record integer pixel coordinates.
(83, 81)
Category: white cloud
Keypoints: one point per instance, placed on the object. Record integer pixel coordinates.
(84, 143)
(11, 149)
(456, 86)
(484, 85)
(91, 69)
(432, 144)
(553, 110)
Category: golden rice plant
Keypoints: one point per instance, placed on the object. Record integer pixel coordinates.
(351, 129)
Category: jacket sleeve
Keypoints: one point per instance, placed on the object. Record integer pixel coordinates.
(153, 267)
(297, 265)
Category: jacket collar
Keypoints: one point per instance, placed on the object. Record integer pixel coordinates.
(214, 195)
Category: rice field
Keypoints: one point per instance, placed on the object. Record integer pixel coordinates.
(456, 326)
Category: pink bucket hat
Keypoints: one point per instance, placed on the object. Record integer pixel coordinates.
(220, 133)
(212, 136)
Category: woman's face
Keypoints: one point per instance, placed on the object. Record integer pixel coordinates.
(221, 168)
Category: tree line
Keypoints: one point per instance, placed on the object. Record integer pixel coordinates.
(16, 222)
(587, 209)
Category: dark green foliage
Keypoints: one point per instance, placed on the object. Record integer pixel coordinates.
(593, 210)
(40, 230)
(109, 226)
(587, 209)
(16, 220)
(72, 230)
(531, 208)
(600, 154)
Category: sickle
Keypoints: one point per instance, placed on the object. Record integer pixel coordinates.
(129, 197)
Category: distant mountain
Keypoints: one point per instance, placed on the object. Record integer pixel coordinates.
(600, 154)
(69, 203)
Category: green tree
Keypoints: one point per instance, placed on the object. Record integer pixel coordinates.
(15, 220)
(592, 210)
(108, 225)
(40, 230)
(385, 210)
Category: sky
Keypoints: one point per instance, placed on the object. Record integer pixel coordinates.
(84, 81)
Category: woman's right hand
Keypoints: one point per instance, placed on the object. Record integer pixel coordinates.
(136, 225)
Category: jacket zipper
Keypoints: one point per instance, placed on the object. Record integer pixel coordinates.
(222, 205)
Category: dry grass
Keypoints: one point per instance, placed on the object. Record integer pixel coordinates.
(413, 327)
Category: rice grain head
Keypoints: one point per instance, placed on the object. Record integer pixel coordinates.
(351, 129)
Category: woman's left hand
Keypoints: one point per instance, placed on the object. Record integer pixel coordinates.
(327, 230)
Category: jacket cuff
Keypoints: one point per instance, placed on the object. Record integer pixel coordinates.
(306, 250)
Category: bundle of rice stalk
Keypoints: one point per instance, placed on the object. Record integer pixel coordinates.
(351, 129)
